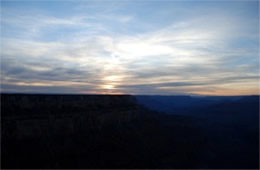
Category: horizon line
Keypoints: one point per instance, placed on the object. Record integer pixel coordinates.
(121, 94)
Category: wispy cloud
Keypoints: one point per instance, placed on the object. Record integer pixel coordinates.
(204, 54)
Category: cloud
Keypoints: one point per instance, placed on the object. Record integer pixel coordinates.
(90, 53)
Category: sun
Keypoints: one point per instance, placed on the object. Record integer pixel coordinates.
(108, 86)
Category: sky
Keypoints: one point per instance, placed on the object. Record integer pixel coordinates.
(145, 47)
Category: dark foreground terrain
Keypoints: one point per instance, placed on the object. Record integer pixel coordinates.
(117, 131)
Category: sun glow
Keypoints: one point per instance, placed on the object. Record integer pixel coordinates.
(112, 78)
(108, 86)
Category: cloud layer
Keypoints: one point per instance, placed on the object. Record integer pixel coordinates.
(211, 50)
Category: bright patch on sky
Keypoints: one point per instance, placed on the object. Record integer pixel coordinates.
(132, 47)
(108, 86)
(113, 78)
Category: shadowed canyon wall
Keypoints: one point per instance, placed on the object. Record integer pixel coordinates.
(114, 131)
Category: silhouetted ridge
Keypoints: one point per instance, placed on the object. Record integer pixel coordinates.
(63, 104)
(74, 131)
(114, 131)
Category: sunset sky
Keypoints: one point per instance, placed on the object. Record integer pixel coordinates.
(130, 47)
